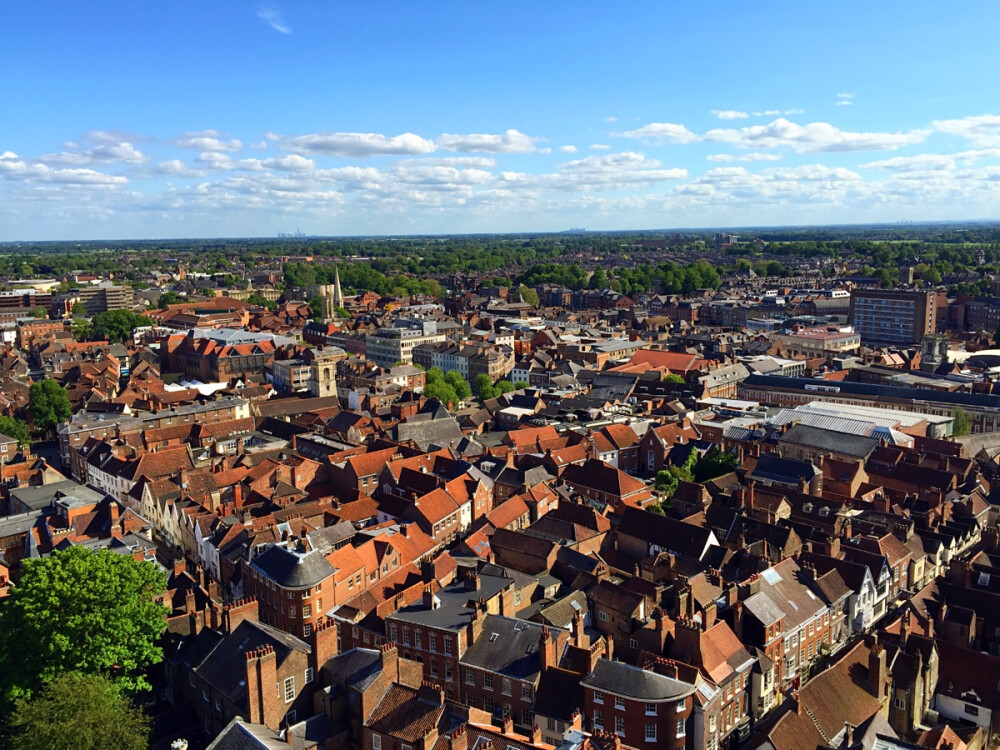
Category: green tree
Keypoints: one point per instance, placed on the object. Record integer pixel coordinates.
(117, 325)
(38, 312)
(80, 711)
(529, 295)
(78, 309)
(49, 405)
(598, 279)
(673, 378)
(82, 330)
(714, 464)
(15, 428)
(256, 299)
(168, 298)
(504, 386)
(461, 386)
(666, 482)
(342, 312)
(91, 612)
(483, 385)
(963, 422)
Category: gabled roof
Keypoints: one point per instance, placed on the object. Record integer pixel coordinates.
(618, 678)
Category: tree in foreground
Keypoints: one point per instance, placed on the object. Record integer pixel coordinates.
(49, 405)
(79, 711)
(93, 613)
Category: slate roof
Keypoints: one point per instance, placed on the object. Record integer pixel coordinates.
(293, 569)
(242, 735)
(618, 678)
(357, 667)
(506, 646)
(784, 470)
(858, 446)
(223, 666)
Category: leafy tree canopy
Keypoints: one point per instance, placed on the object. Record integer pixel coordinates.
(49, 405)
(963, 422)
(15, 428)
(80, 711)
(117, 325)
(90, 612)
(168, 298)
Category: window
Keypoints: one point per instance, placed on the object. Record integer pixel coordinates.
(488, 704)
(417, 640)
(376, 742)
(204, 695)
(406, 637)
(506, 686)
(447, 647)
(650, 731)
(619, 703)
(598, 696)
(488, 680)
(307, 610)
(650, 709)
(392, 633)
(448, 675)
(289, 689)
(680, 707)
(971, 710)
(525, 691)
(633, 643)
(619, 725)
(432, 642)
(309, 674)
(899, 703)
(603, 616)
(680, 727)
(598, 720)
(307, 630)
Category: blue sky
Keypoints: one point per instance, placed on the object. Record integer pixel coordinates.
(185, 119)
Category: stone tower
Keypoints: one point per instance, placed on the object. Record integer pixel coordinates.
(323, 370)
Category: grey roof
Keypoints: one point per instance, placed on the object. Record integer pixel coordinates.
(761, 607)
(293, 569)
(785, 470)
(43, 495)
(357, 667)
(242, 735)
(224, 666)
(624, 680)
(427, 432)
(858, 446)
(506, 646)
(452, 612)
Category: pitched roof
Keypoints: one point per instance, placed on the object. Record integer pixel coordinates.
(618, 678)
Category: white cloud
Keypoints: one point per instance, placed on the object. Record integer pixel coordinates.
(845, 96)
(599, 147)
(981, 130)
(845, 100)
(776, 112)
(259, 145)
(730, 114)
(753, 156)
(272, 17)
(511, 142)
(627, 170)
(610, 120)
(290, 163)
(207, 140)
(177, 168)
(354, 144)
(926, 162)
(104, 148)
(13, 167)
(661, 131)
(568, 149)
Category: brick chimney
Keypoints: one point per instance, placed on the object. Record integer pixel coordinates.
(547, 651)
(580, 637)
(389, 657)
(265, 707)
(878, 672)
(324, 644)
(458, 740)
(238, 611)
